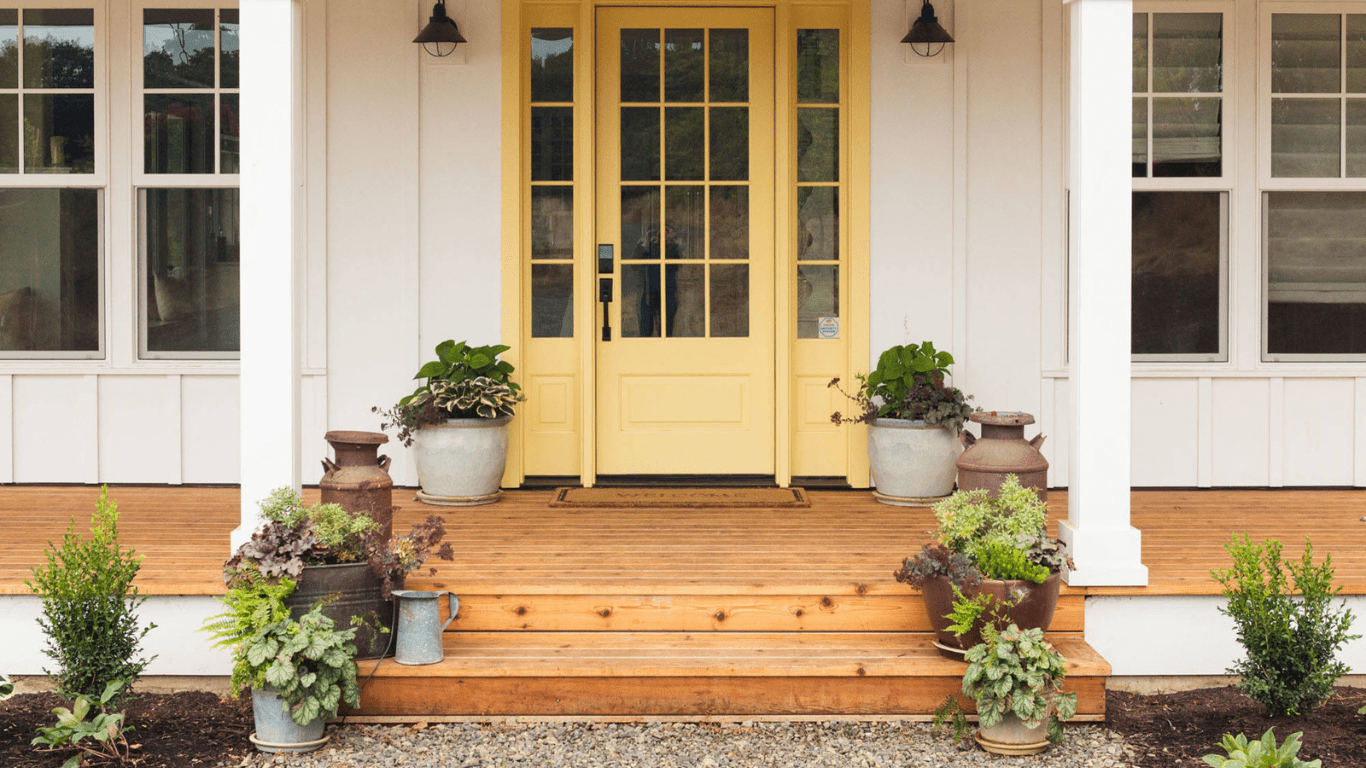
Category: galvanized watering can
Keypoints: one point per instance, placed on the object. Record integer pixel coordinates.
(419, 625)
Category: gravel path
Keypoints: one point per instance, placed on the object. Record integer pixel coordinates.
(681, 745)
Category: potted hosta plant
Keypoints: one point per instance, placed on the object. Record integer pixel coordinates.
(914, 420)
(1016, 677)
(992, 555)
(457, 423)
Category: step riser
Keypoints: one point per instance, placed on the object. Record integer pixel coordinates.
(648, 696)
(683, 613)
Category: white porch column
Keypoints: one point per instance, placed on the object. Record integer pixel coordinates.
(270, 329)
(1104, 545)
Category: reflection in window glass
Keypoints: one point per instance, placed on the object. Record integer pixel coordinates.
(552, 143)
(1316, 273)
(685, 228)
(1306, 53)
(178, 133)
(818, 223)
(683, 65)
(640, 310)
(818, 66)
(684, 147)
(1356, 138)
(59, 133)
(1178, 248)
(9, 48)
(552, 222)
(552, 301)
(685, 287)
(229, 114)
(640, 65)
(729, 67)
(640, 218)
(49, 270)
(552, 65)
(729, 301)
(9, 134)
(189, 250)
(729, 222)
(1140, 52)
(178, 48)
(1186, 52)
(818, 297)
(1140, 160)
(230, 57)
(1305, 137)
(729, 143)
(818, 144)
(59, 48)
(1186, 136)
(639, 143)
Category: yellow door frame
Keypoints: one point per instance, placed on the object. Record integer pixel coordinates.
(799, 364)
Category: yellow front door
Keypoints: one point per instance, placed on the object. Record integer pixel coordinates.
(685, 232)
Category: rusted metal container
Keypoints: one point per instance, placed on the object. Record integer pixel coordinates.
(359, 478)
(353, 592)
(1002, 450)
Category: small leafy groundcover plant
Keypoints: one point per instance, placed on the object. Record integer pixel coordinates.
(102, 738)
(1015, 670)
(908, 383)
(1261, 754)
(464, 382)
(1287, 624)
(6, 688)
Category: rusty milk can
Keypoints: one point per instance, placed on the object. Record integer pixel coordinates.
(1002, 451)
(359, 479)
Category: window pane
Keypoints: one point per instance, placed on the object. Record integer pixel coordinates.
(1306, 53)
(1140, 137)
(1177, 256)
(179, 133)
(729, 64)
(818, 223)
(1186, 136)
(640, 213)
(552, 143)
(1316, 272)
(640, 65)
(729, 222)
(1305, 138)
(818, 144)
(685, 222)
(1186, 52)
(640, 143)
(9, 134)
(818, 66)
(230, 57)
(552, 301)
(190, 252)
(684, 145)
(9, 48)
(640, 301)
(683, 65)
(1140, 53)
(818, 297)
(177, 48)
(552, 65)
(552, 222)
(49, 270)
(1356, 54)
(1356, 137)
(59, 133)
(230, 112)
(729, 143)
(729, 301)
(685, 289)
(59, 48)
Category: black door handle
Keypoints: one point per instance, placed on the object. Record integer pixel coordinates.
(605, 296)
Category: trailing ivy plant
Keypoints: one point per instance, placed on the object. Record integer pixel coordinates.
(1287, 624)
(464, 382)
(908, 383)
(309, 663)
(1261, 754)
(89, 607)
(1016, 670)
(102, 738)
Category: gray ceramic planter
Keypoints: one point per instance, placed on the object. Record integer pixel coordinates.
(462, 458)
(911, 459)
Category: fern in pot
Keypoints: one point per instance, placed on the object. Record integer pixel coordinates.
(914, 421)
(457, 423)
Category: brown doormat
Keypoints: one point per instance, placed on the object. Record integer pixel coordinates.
(694, 498)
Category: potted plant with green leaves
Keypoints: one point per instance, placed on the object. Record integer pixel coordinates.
(1015, 677)
(914, 420)
(991, 557)
(457, 423)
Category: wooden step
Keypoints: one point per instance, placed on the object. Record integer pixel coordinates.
(687, 674)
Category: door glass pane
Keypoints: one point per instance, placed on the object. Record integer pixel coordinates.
(179, 133)
(229, 56)
(683, 143)
(230, 112)
(1140, 137)
(818, 144)
(1140, 52)
(729, 64)
(686, 291)
(177, 48)
(1356, 137)
(685, 222)
(59, 48)
(9, 48)
(818, 223)
(1177, 257)
(552, 222)
(1305, 138)
(818, 66)
(1186, 52)
(729, 143)
(49, 298)
(640, 65)
(729, 301)
(640, 143)
(1316, 263)
(729, 222)
(9, 134)
(818, 296)
(1186, 140)
(552, 64)
(191, 262)
(59, 133)
(552, 143)
(1306, 53)
(683, 65)
(640, 301)
(552, 301)
(640, 222)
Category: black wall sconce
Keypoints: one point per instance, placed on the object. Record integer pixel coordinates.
(926, 37)
(440, 36)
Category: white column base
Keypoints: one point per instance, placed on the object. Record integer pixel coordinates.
(1104, 557)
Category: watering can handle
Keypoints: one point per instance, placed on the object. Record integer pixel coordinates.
(454, 603)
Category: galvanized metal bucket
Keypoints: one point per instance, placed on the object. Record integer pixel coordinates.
(420, 627)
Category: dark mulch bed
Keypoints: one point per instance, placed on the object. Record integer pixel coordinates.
(1174, 730)
(177, 730)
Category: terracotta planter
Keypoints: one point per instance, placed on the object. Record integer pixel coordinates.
(1035, 610)
(911, 461)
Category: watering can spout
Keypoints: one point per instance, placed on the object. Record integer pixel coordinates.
(419, 625)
